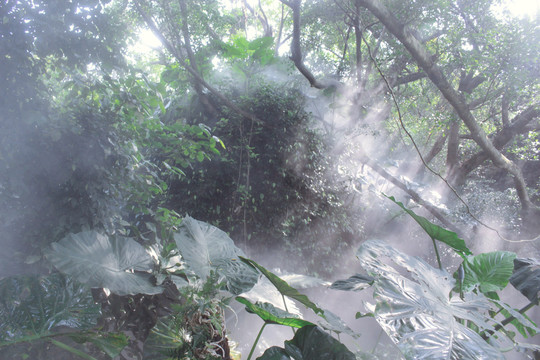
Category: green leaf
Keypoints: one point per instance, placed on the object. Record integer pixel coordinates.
(31, 307)
(526, 278)
(315, 344)
(165, 337)
(356, 282)
(334, 323)
(261, 43)
(284, 288)
(272, 315)
(489, 271)
(274, 353)
(436, 232)
(204, 248)
(120, 264)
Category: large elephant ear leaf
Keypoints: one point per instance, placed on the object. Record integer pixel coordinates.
(526, 278)
(120, 264)
(205, 248)
(31, 307)
(418, 314)
(489, 271)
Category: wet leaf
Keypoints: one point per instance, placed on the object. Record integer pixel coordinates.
(120, 264)
(32, 306)
(526, 278)
(356, 282)
(284, 288)
(272, 315)
(418, 314)
(205, 247)
(315, 344)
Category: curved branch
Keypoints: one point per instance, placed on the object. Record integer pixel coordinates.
(427, 63)
(296, 50)
(517, 126)
(413, 194)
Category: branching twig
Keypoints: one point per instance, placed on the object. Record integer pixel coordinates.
(155, 30)
(479, 135)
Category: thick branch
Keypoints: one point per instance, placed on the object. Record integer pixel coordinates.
(435, 149)
(413, 194)
(504, 110)
(296, 50)
(453, 146)
(358, 39)
(191, 57)
(344, 54)
(280, 31)
(262, 18)
(427, 63)
(517, 126)
(409, 78)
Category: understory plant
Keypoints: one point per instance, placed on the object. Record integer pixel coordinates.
(108, 289)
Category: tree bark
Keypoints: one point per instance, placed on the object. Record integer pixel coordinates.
(358, 39)
(518, 125)
(452, 154)
(191, 57)
(426, 62)
(296, 50)
(413, 194)
(435, 150)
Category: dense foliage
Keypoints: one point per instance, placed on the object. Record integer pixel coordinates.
(291, 127)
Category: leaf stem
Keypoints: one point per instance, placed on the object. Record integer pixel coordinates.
(72, 350)
(256, 341)
(508, 320)
(512, 317)
(437, 253)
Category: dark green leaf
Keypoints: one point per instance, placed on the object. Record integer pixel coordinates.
(165, 338)
(274, 353)
(436, 232)
(111, 343)
(526, 278)
(356, 282)
(284, 288)
(315, 344)
(273, 315)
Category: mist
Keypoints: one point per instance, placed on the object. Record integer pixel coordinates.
(303, 131)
